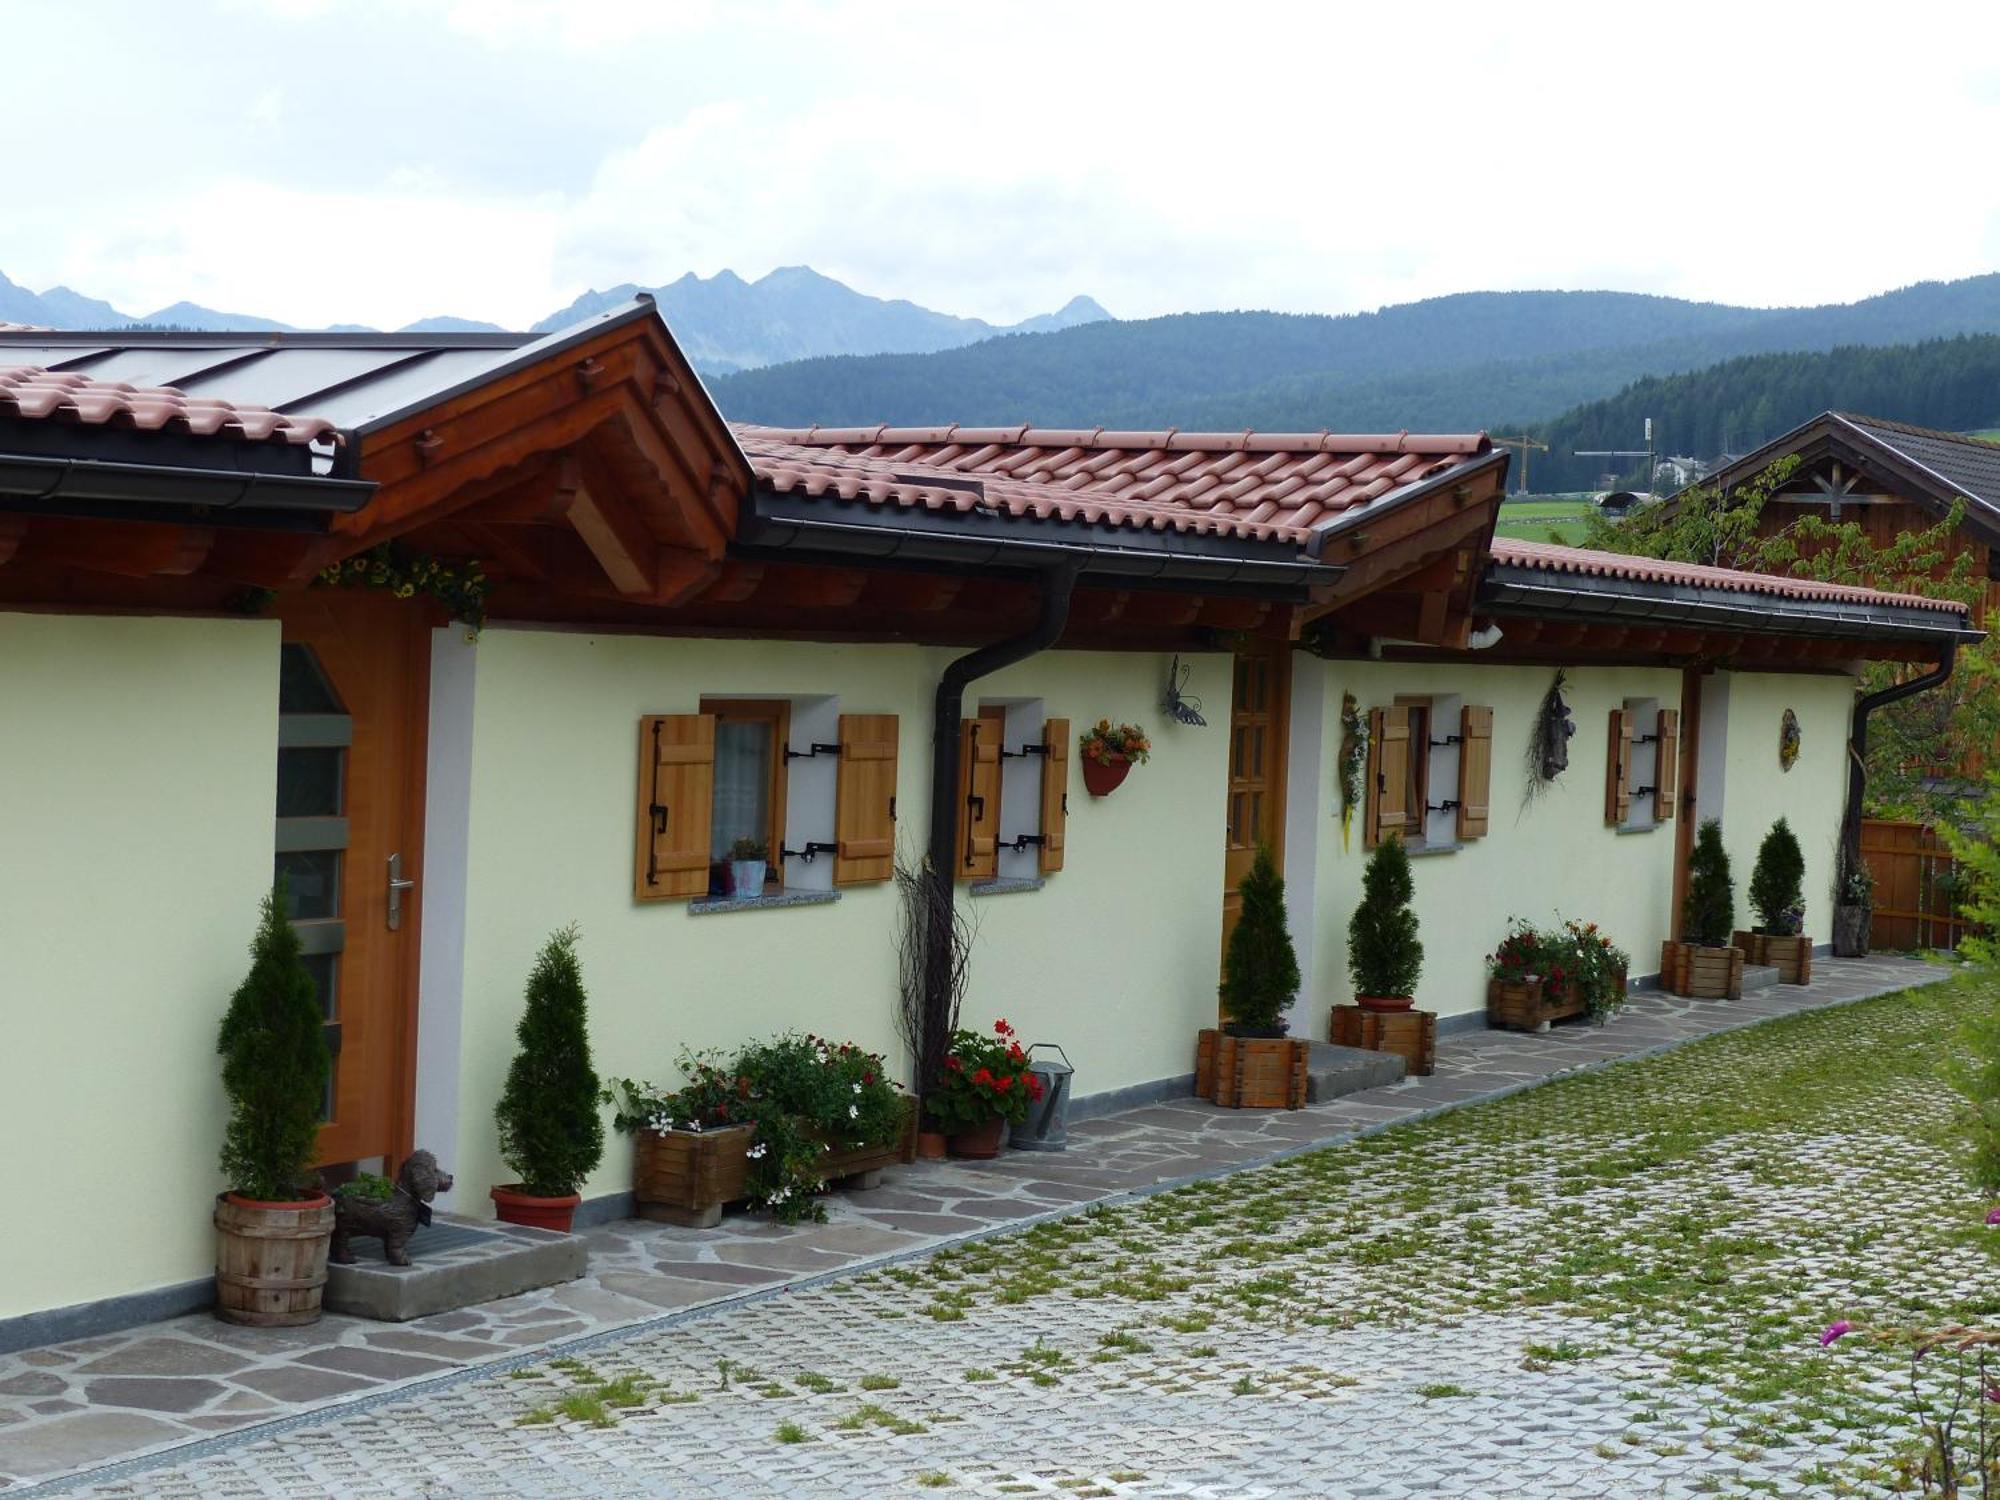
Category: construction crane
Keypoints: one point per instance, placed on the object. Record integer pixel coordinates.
(1522, 445)
(1645, 453)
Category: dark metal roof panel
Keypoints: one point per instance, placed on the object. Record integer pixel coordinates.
(1963, 463)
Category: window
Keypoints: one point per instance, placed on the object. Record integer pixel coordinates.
(748, 797)
(314, 733)
(1643, 761)
(1429, 768)
(708, 779)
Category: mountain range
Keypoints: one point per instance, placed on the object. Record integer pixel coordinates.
(1492, 360)
(723, 322)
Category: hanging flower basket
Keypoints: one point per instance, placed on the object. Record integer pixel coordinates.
(1102, 778)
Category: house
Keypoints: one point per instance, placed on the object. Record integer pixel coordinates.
(229, 570)
(1888, 477)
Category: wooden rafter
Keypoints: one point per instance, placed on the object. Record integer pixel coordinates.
(622, 547)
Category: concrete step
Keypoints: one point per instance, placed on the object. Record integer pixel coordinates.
(1759, 977)
(1332, 1071)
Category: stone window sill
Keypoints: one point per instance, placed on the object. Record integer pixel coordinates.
(1005, 887)
(710, 905)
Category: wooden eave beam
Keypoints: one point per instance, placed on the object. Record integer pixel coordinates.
(623, 548)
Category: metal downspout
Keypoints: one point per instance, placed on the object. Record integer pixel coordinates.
(1058, 582)
(1857, 744)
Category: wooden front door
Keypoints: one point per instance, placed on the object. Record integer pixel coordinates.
(1258, 725)
(1685, 811)
(352, 711)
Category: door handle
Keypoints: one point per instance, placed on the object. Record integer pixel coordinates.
(397, 885)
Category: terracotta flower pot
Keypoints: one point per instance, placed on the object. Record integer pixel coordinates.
(981, 1143)
(517, 1207)
(1101, 780)
(930, 1145)
(1384, 1002)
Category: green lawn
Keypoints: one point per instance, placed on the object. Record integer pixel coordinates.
(1560, 521)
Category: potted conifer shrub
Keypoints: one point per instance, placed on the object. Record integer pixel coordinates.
(274, 1225)
(1385, 958)
(550, 1130)
(1250, 1062)
(1776, 895)
(1703, 964)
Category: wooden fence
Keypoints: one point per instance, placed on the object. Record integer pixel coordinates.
(1915, 886)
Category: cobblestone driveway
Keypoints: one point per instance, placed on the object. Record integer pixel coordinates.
(1469, 1307)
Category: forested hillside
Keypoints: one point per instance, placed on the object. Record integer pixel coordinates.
(1738, 405)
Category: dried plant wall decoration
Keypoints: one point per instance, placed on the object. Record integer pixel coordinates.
(1353, 763)
(1788, 740)
(1548, 742)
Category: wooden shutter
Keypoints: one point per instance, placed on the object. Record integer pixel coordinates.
(1055, 792)
(1618, 770)
(1667, 765)
(676, 805)
(1475, 769)
(864, 805)
(978, 798)
(1388, 775)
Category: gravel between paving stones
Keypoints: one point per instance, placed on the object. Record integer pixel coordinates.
(1611, 1285)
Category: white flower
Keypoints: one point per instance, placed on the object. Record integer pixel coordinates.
(853, 1111)
(756, 1152)
(857, 1088)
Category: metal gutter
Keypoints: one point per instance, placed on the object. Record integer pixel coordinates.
(1857, 744)
(1505, 591)
(940, 867)
(998, 542)
(84, 486)
(1374, 509)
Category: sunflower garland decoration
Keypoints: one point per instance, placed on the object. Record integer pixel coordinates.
(1353, 763)
(460, 587)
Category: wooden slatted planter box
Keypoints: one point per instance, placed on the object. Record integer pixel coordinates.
(1701, 973)
(1410, 1034)
(1529, 1004)
(1240, 1072)
(685, 1177)
(1790, 955)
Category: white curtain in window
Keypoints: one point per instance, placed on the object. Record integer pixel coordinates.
(742, 784)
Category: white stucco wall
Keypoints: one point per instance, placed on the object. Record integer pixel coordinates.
(1554, 854)
(1115, 958)
(1542, 857)
(1759, 791)
(138, 764)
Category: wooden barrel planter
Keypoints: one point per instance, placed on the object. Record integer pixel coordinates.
(1241, 1072)
(1790, 955)
(270, 1260)
(686, 1176)
(1701, 973)
(1529, 1004)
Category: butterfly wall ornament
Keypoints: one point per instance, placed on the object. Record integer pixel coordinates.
(1176, 703)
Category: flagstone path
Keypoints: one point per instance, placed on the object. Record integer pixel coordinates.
(137, 1413)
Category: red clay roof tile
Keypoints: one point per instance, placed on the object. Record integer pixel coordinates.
(37, 394)
(1549, 558)
(1291, 480)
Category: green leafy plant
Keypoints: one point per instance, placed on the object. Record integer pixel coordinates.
(460, 587)
(1522, 955)
(802, 1096)
(366, 1187)
(1260, 969)
(1777, 881)
(1384, 956)
(1710, 913)
(274, 1066)
(1973, 1069)
(749, 848)
(984, 1077)
(1595, 967)
(550, 1131)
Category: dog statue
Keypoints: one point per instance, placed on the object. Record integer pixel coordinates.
(393, 1220)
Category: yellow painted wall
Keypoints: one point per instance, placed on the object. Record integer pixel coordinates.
(1116, 958)
(1757, 790)
(1551, 855)
(138, 765)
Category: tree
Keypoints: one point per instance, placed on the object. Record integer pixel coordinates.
(1260, 970)
(1917, 745)
(1710, 914)
(1384, 957)
(550, 1131)
(1777, 880)
(274, 1066)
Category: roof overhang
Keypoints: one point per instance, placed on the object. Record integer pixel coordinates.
(1512, 591)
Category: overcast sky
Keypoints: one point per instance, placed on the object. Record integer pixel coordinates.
(378, 161)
